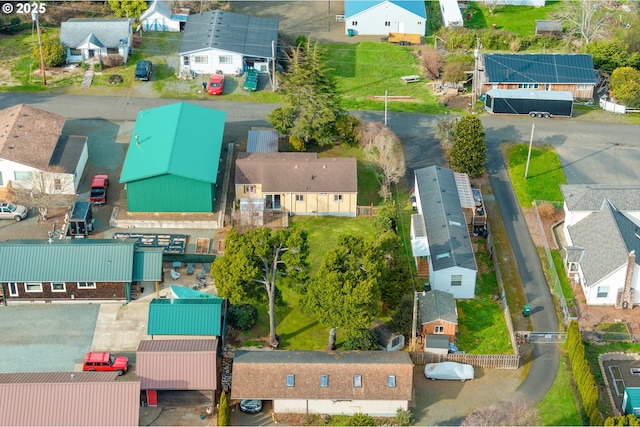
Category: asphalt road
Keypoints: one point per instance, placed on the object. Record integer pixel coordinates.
(590, 153)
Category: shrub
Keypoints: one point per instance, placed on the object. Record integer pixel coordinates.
(243, 316)
(348, 127)
(546, 210)
(365, 339)
(403, 418)
(97, 67)
(224, 414)
(301, 41)
(83, 66)
(53, 52)
(361, 420)
(297, 144)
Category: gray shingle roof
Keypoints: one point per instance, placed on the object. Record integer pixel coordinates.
(67, 260)
(589, 197)
(605, 249)
(217, 29)
(449, 242)
(437, 305)
(297, 172)
(539, 68)
(68, 152)
(108, 32)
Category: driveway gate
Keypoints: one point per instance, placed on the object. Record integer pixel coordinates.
(541, 337)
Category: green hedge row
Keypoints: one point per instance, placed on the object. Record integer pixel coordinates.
(582, 374)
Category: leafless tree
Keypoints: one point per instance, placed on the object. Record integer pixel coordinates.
(382, 146)
(511, 414)
(491, 5)
(45, 189)
(444, 131)
(584, 19)
(432, 61)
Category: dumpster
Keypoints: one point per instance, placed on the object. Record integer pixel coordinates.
(351, 33)
(526, 311)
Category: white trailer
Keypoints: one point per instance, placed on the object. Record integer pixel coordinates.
(451, 15)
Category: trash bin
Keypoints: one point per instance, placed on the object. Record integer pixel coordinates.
(526, 311)
(351, 33)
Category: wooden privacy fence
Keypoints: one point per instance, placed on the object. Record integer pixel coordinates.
(368, 211)
(496, 361)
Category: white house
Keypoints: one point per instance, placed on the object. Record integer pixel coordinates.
(440, 239)
(602, 233)
(381, 17)
(93, 38)
(227, 42)
(31, 140)
(160, 17)
(451, 15)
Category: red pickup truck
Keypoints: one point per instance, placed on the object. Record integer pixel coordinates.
(99, 186)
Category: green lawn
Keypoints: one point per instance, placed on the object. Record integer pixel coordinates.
(545, 174)
(564, 281)
(559, 406)
(520, 20)
(368, 69)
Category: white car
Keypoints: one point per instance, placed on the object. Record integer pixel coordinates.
(10, 210)
(449, 371)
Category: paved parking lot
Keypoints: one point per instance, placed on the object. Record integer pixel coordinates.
(46, 337)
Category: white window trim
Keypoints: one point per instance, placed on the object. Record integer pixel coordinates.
(299, 197)
(225, 59)
(249, 189)
(337, 198)
(64, 287)
(291, 380)
(26, 286)
(326, 381)
(357, 381)
(15, 286)
(438, 329)
(89, 285)
(201, 59)
(391, 381)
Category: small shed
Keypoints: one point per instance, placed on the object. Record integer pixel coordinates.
(262, 141)
(173, 158)
(190, 317)
(177, 365)
(438, 314)
(631, 401)
(551, 27)
(160, 17)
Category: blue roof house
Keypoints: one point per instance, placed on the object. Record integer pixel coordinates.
(93, 38)
(381, 17)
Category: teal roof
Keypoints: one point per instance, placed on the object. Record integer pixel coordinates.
(187, 293)
(200, 316)
(67, 260)
(147, 264)
(633, 399)
(179, 139)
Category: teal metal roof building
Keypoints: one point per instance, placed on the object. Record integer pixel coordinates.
(201, 316)
(631, 401)
(173, 157)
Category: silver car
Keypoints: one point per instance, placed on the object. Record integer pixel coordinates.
(10, 210)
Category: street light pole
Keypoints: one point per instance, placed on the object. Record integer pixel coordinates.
(474, 86)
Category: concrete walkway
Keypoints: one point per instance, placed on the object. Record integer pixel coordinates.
(87, 79)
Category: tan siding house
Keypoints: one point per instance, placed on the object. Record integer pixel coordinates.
(298, 183)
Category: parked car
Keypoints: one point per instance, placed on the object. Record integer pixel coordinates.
(449, 371)
(251, 80)
(99, 187)
(10, 210)
(251, 406)
(105, 362)
(216, 84)
(144, 69)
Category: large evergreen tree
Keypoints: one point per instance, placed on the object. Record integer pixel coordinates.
(468, 152)
(311, 105)
(251, 263)
(53, 52)
(128, 8)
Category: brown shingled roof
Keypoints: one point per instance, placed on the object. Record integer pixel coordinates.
(29, 135)
(262, 375)
(297, 172)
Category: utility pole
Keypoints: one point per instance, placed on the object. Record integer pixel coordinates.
(386, 106)
(474, 86)
(273, 65)
(34, 16)
(526, 170)
(414, 323)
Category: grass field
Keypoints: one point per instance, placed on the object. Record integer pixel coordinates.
(520, 20)
(545, 174)
(559, 407)
(564, 282)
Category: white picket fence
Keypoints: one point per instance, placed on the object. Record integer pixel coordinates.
(612, 106)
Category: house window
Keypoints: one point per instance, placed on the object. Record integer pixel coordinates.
(354, 23)
(291, 380)
(357, 381)
(201, 60)
(225, 59)
(273, 201)
(387, 23)
(584, 87)
(113, 51)
(456, 280)
(299, 197)
(324, 381)
(75, 52)
(337, 197)
(33, 287)
(22, 175)
(391, 381)
(86, 285)
(603, 291)
(57, 184)
(528, 85)
(13, 289)
(185, 60)
(419, 22)
(58, 287)
(249, 188)
(438, 329)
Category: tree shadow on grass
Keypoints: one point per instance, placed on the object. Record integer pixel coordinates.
(284, 338)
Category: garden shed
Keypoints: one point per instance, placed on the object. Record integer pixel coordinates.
(186, 317)
(173, 158)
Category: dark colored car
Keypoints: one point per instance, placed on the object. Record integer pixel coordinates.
(251, 406)
(144, 69)
(251, 80)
